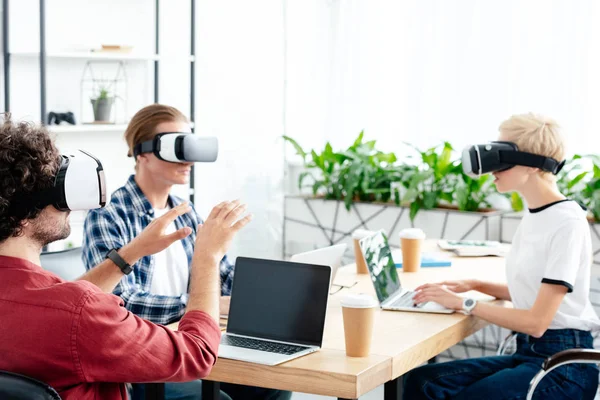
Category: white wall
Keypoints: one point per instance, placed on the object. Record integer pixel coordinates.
(433, 70)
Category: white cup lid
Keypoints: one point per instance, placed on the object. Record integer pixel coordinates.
(361, 233)
(412, 233)
(358, 301)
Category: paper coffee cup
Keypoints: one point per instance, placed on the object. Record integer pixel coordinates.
(359, 313)
(361, 265)
(411, 242)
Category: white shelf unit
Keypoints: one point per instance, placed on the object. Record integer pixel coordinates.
(87, 128)
(43, 56)
(90, 55)
(83, 128)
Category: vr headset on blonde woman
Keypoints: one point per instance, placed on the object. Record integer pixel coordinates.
(480, 159)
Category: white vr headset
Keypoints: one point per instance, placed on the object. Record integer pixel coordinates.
(180, 147)
(79, 184)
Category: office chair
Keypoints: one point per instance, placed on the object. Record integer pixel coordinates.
(65, 263)
(571, 356)
(20, 387)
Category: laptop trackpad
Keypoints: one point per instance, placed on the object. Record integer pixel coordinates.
(254, 356)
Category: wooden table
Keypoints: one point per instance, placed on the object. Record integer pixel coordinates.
(401, 341)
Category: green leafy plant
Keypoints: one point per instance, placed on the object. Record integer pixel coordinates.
(359, 173)
(363, 173)
(590, 193)
(516, 201)
(579, 180)
(572, 178)
(472, 194)
(102, 92)
(430, 183)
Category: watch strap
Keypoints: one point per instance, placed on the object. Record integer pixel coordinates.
(114, 256)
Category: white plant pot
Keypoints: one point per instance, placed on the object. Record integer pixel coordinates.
(312, 223)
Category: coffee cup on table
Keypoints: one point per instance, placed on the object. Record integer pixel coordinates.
(411, 243)
(361, 265)
(359, 314)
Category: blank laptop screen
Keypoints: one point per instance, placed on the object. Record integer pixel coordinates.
(382, 268)
(279, 300)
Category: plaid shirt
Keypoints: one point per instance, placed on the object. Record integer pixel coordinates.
(115, 225)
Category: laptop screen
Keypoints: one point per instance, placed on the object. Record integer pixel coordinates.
(279, 300)
(378, 257)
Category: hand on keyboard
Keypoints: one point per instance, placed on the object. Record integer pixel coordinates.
(406, 301)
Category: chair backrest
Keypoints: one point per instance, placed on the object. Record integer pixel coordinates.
(19, 387)
(66, 263)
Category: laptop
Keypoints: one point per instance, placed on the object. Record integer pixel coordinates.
(331, 256)
(391, 294)
(277, 311)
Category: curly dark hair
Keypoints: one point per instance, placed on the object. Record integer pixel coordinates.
(29, 160)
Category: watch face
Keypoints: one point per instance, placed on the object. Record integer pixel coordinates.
(469, 302)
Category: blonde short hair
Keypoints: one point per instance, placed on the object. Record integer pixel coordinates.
(535, 134)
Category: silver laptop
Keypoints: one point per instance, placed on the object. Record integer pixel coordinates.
(391, 294)
(331, 256)
(277, 311)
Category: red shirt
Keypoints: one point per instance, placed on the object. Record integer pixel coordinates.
(85, 344)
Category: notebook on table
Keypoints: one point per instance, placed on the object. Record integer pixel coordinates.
(474, 248)
(427, 259)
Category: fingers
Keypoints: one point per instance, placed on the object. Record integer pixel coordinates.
(242, 222)
(175, 212)
(216, 210)
(427, 294)
(228, 211)
(178, 235)
(427, 285)
(227, 208)
(235, 214)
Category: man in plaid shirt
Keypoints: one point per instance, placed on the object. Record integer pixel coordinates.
(157, 288)
(115, 225)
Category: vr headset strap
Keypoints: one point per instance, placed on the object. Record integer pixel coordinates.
(530, 160)
(146, 147)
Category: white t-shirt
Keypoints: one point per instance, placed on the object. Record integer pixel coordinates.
(553, 245)
(171, 272)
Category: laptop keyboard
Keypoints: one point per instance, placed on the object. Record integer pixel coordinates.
(405, 301)
(261, 345)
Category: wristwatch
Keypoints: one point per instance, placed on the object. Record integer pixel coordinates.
(468, 306)
(118, 260)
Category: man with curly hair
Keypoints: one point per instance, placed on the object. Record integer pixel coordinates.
(73, 335)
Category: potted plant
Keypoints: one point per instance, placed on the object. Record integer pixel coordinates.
(102, 105)
(360, 173)
(363, 187)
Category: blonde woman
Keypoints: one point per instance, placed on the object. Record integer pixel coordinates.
(548, 282)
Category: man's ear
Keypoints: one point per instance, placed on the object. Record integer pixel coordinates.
(142, 159)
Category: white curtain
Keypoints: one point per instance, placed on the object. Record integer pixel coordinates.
(425, 71)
